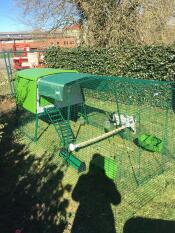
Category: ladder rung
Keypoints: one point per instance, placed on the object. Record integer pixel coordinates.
(52, 111)
(56, 121)
(64, 125)
(67, 136)
(55, 115)
(65, 128)
(66, 133)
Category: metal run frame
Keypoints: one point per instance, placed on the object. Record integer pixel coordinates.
(7, 56)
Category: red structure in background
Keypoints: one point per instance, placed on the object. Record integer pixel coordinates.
(20, 56)
(24, 57)
(26, 52)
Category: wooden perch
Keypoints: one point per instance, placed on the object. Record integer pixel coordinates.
(73, 147)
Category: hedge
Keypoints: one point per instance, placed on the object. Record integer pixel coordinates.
(148, 62)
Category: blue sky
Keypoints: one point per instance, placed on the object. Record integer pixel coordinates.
(10, 17)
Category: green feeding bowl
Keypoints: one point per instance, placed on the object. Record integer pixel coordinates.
(150, 143)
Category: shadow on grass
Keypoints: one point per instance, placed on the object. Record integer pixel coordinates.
(31, 188)
(145, 225)
(95, 193)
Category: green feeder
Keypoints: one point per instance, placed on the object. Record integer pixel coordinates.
(72, 160)
(150, 143)
(108, 165)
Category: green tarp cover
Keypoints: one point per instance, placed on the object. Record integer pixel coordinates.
(36, 73)
(53, 85)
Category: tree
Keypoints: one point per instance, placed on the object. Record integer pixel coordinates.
(48, 14)
(105, 23)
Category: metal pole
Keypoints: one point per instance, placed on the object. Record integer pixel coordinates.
(36, 128)
(8, 74)
(69, 104)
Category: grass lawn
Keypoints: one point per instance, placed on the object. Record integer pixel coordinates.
(39, 193)
(4, 84)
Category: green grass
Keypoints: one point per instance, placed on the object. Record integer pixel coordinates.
(4, 84)
(154, 196)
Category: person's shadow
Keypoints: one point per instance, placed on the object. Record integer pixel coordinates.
(146, 225)
(95, 193)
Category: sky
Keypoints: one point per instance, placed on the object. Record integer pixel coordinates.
(10, 17)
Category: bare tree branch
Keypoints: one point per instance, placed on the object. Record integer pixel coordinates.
(105, 23)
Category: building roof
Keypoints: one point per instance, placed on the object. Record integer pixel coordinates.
(73, 27)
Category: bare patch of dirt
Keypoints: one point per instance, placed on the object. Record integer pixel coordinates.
(6, 105)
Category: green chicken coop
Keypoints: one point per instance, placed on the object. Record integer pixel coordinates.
(129, 122)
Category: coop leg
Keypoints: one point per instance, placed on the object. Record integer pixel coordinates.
(36, 129)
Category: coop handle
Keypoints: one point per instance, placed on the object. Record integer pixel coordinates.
(73, 147)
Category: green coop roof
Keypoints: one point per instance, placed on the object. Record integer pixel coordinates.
(36, 73)
(62, 79)
(53, 85)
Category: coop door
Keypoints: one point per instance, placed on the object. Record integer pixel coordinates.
(72, 95)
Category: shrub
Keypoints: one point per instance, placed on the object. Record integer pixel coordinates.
(148, 62)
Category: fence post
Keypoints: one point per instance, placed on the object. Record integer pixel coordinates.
(7, 62)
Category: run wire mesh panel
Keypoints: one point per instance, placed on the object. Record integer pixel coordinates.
(123, 125)
(150, 104)
(100, 130)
